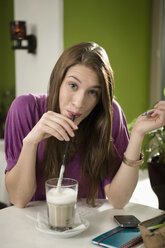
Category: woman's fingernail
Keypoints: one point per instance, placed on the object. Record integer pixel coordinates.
(148, 113)
(72, 134)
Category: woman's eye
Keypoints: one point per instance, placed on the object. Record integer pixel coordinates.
(73, 85)
(93, 92)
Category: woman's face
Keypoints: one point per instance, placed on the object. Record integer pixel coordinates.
(79, 93)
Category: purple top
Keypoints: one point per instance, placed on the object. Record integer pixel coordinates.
(25, 112)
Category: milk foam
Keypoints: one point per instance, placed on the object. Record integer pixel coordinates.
(65, 196)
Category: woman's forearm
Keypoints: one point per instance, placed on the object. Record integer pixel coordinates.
(123, 184)
(21, 180)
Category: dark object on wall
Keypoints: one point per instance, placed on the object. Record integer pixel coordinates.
(18, 34)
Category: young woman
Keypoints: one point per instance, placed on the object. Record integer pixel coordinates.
(101, 156)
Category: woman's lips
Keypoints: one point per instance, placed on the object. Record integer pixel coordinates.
(77, 115)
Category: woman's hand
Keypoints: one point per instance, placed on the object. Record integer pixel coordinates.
(153, 120)
(52, 124)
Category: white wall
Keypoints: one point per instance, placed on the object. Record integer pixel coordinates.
(44, 18)
(3, 192)
(156, 51)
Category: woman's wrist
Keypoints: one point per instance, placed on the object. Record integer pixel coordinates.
(138, 131)
(137, 136)
(134, 163)
(133, 150)
(28, 141)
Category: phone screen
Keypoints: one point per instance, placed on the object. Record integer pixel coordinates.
(126, 220)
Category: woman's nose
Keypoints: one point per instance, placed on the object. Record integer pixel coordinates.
(78, 99)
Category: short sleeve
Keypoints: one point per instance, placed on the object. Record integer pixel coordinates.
(120, 136)
(120, 132)
(20, 120)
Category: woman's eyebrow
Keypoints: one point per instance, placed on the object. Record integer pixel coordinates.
(94, 86)
(75, 78)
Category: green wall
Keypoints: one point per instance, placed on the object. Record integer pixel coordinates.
(7, 68)
(7, 74)
(123, 28)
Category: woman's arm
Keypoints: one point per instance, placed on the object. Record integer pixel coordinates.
(21, 179)
(120, 190)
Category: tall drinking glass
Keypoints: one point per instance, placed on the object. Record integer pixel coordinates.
(61, 203)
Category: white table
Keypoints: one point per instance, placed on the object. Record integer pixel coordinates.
(17, 226)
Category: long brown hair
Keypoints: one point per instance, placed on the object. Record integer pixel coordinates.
(93, 138)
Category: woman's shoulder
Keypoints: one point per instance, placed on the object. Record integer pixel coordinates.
(30, 98)
(30, 101)
(116, 105)
(25, 111)
(116, 109)
(120, 133)
(118, 117)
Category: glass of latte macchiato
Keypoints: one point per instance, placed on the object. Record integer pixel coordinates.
(61, 203)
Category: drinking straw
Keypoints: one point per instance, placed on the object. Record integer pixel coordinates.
(64, 162)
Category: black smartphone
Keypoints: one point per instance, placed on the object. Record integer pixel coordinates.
(126, 220)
